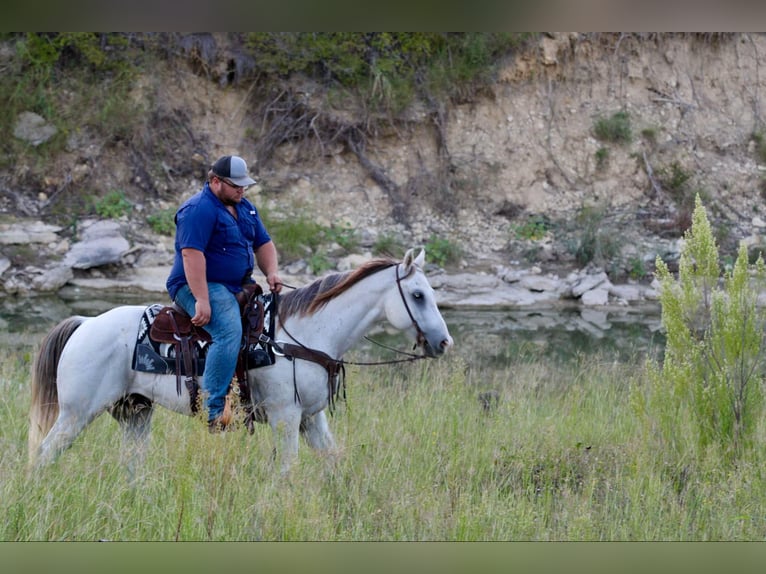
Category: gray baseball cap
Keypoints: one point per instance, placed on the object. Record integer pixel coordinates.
(234, 169)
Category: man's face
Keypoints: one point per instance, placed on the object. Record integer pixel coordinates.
(226, 191)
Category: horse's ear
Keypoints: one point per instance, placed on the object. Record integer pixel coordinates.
(410, 258)
(420, 260)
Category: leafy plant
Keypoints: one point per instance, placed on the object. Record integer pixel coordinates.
(614, 129)
(602, 158)
(113, 205)
(344, 236)
(163, 221)
(532, 229)
(636, 268)
(760, 146)
(707, 393)
(442, 251)
(319, 263)
(295, 237)
(388, 245)
(594, 244)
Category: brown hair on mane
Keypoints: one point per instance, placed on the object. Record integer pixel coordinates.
(309, 299)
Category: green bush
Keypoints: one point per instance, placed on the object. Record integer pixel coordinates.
(614, 129)
(387, 68)
(163, 222)
(113, 205)
(594, 244)
(442, 251)
(346, 237)
(707, 393)
(389, 246)
(296, 237)
(532, 229)
(602, 158)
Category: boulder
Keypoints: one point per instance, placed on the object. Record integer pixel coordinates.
(101, 244)
(33, 129)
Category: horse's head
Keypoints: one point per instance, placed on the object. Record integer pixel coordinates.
(412, 306)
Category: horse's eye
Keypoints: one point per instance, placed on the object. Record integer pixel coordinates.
(417, 295)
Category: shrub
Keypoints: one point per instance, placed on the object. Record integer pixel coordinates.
(532, 229)
(388, 245)
(163, 222)
(442, 251)
(708, 390)
(594, 244)
(113, 205)
(760, 146)
(602, 158)
(614, 129)
(344, 236)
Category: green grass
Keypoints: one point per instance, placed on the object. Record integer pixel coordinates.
(561, 456)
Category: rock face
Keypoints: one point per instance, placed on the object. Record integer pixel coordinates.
(524, 153)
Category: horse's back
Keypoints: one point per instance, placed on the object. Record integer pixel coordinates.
(100, 349)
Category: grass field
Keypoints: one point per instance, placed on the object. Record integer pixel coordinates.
(435, 450)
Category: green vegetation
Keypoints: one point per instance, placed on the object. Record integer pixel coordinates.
(296, 237)
(760, 146)
(614, 129)
(442, 251)
(387, 68)
(707, 397)
(73, 80)
(559, 455)
(389, 246)
(163, 221)
(594, 243)
(344, 235)
(113, 205)
(303, 238)
(533, 229)
(602, 158)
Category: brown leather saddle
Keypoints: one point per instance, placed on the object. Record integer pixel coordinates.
(173, 325)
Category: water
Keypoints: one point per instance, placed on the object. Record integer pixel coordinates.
(490, 336)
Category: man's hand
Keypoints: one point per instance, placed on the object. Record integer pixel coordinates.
(202, 313)
(275, 283)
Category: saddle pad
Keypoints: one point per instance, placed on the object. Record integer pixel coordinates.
(149, 356)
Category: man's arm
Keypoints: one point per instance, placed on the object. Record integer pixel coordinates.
(195, 269)
(266, 257)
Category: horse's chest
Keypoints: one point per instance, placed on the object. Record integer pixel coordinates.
(306, 386)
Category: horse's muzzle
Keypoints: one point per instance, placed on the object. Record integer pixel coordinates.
(433, 352)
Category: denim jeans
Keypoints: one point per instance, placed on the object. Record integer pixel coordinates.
(225, 328)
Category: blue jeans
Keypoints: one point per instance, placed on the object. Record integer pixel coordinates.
(225, 328)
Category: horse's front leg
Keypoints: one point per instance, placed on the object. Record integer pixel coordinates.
(317, 433)
(285, 425)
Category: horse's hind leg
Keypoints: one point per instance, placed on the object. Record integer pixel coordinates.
(68, 426)
(134, 414)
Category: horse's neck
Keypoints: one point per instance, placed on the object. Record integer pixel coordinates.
(343, 321)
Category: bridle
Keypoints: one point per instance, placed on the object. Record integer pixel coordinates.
(336, 368)
(421, 337)
(419, 341)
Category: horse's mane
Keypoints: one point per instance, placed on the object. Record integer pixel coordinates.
(309, 299)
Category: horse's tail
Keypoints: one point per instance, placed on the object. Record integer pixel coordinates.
(45, 406)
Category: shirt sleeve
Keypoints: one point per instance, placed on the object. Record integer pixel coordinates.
(194, 226)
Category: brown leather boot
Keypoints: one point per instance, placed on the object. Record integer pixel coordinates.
(219, 423)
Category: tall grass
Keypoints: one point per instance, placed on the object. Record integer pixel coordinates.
(558, 455)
